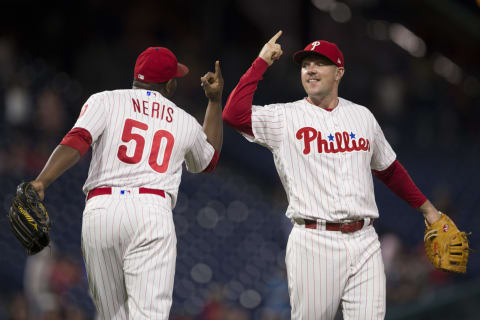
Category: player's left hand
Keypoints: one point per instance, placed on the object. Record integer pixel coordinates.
(39, 188)
(29, 219)
(212, 83)
(446, 247)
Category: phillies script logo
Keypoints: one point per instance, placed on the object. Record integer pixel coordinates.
(344, 141)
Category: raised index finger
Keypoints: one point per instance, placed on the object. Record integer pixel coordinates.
(275, 37)
(218, 72)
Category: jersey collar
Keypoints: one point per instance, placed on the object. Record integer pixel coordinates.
(307, 100)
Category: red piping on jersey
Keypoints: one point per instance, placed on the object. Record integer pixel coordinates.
(238, 109)
(213, 163)
(78, 138)
(326, 109)
(397, 179)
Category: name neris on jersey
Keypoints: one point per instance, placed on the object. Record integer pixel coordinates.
(153, 109)
(333, 143)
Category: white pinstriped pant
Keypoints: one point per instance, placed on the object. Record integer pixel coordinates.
(326, 268)
(129, 248)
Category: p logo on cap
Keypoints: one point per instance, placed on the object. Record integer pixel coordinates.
(322, 48)
(315, 44)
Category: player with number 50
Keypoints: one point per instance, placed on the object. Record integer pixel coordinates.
(139, 140)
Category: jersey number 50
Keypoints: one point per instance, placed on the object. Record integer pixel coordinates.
(159, 135)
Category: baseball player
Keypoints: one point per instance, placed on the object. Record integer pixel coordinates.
(325, 148)
(139, 140)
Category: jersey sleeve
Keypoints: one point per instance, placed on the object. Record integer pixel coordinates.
(267, 126)
(397, 179)
(200, 153)
(93, 116)
(383, 155)
(238, 109)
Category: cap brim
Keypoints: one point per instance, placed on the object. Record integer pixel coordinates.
(182, 70)
(302, 54)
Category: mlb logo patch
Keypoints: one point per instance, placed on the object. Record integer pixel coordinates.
(445, 228)
(124, 192)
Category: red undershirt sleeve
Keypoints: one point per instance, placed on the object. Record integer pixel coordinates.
(78, 138)
(397, 179)
(213, 163)
(238, 109)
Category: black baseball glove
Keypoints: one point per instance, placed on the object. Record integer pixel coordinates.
(29, 219)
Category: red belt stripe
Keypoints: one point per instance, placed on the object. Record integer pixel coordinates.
(107, 190)
(332, 226)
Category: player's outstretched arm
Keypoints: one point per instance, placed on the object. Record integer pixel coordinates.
(397, 179)
(212, 84)
(61, 159)
(238, 109)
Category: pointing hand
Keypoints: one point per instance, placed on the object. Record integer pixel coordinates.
(212, 83)
(271, 51)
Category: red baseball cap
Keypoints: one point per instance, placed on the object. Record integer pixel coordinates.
(158, 64)
(323, 48)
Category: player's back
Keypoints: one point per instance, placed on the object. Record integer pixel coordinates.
(140, 139)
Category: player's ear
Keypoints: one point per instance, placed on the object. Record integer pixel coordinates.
(339, 73)
(170, 87)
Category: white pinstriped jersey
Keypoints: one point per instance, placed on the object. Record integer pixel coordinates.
(324, 158)
(140, 139)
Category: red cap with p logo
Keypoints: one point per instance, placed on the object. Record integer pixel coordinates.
(323, 48)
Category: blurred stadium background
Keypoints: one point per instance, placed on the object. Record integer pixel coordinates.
(413, 63)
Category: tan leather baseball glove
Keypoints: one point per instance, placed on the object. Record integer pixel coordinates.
(446, 247)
